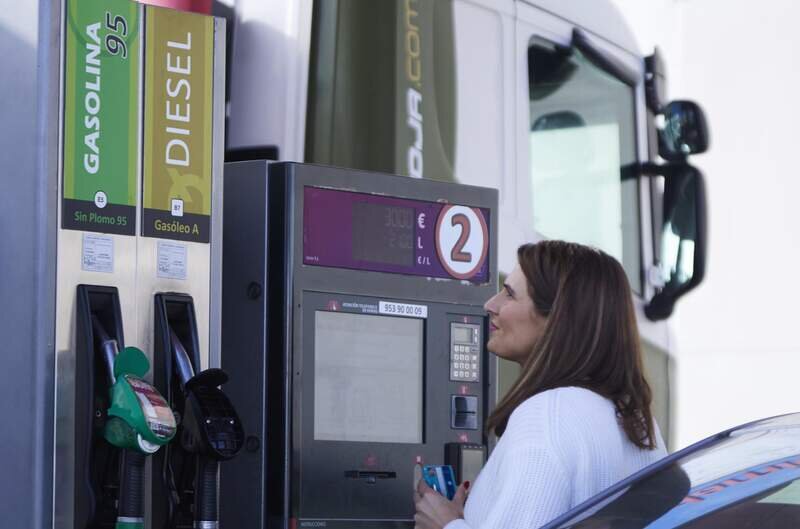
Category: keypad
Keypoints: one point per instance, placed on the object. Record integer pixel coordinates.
(465, 339)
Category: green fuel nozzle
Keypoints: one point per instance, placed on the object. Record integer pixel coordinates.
(139, 417)
(139, 422)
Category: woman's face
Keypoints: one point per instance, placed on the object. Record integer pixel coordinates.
(514, 326)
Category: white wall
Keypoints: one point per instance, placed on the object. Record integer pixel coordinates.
(737, 337)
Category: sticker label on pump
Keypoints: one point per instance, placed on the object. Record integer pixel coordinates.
(179, 67)
(402, 309)
(156, 411)
(171, 260)
(101, 116)
(97, 254)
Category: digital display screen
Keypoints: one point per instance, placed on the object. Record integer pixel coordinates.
(389, 234)
(462, 334)
(383, 233)
(367, 378)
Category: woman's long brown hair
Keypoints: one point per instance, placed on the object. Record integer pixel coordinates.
(590, 338)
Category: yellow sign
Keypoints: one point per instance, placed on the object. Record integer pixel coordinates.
(179, 68)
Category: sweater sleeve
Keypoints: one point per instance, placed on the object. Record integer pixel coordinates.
(533, 490)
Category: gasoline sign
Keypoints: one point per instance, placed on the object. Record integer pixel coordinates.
(101, 116)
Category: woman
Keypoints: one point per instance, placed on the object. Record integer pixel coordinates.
(578, 418)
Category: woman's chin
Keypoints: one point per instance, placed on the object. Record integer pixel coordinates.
(496, 350)
(499, 352)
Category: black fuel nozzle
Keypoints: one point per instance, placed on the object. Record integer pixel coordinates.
(211, 429)
(211, 424)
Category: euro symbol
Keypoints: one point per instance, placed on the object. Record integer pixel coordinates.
(421, 221)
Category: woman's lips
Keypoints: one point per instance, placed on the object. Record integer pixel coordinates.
(492, 327)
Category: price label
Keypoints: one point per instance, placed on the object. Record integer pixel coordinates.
(462, 240)
(402, 309)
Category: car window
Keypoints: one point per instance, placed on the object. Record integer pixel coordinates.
(749, 479)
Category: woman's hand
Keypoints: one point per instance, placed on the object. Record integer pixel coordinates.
(434, 511)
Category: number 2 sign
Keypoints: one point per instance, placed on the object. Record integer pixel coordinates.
(462, 240)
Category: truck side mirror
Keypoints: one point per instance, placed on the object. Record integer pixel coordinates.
(685, 131)
(682, 246)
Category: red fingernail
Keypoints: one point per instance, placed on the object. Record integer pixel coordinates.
(466, 484)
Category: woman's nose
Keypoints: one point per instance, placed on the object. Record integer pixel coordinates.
(489, 306)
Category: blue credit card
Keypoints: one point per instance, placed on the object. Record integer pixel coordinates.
(441, 479)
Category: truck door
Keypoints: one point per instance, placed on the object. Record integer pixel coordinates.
(580, 127)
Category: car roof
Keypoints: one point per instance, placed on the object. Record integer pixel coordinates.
(761, 427)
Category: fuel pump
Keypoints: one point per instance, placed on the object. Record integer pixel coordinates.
(209, 427)
(353, 323)
(127, 193)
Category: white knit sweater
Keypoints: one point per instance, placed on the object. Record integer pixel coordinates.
(560, 447)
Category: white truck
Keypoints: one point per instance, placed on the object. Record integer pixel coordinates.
(549, 101)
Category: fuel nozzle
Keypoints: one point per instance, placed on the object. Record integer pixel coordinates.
(139, 417)
(211, 424)
(211, 429)
(139, 421)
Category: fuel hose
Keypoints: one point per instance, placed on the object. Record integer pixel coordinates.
(205, 506)
(130, 514)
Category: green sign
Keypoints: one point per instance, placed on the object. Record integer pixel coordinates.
(101, 116)
(178, 88)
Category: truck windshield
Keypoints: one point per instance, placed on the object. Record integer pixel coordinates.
(582, 135)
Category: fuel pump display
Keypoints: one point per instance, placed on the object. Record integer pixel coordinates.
(363, 231)
(353, 324)
(385, 233)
